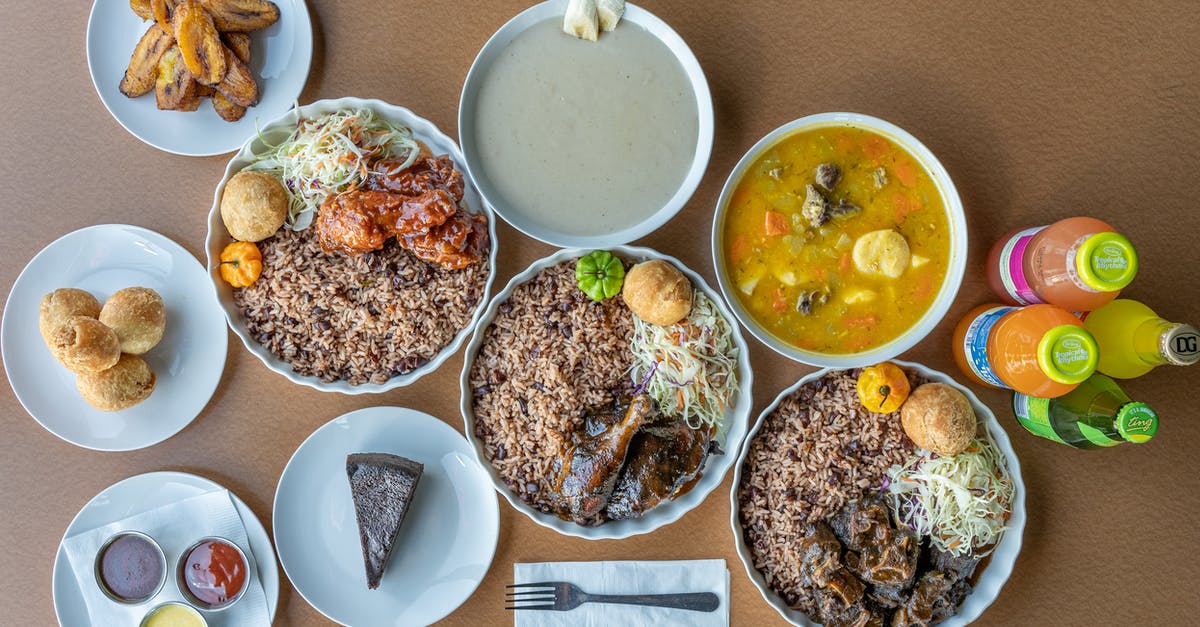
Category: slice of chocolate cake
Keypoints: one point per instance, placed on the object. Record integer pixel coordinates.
(382, 486)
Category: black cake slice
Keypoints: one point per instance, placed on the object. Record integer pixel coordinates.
(382, 486)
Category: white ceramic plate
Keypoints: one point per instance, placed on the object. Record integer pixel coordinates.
(138, 494)
(716, 466)
(188, 361)
(218, 238)
(279, 59)
(496, 45)
(955, 265)
(445, 545)
(991, 578)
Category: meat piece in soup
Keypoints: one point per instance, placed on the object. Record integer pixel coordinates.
(792, 226)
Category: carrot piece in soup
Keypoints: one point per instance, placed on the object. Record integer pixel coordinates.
(740, 249)
(875, 147)
(779, 305)
(906, 172)
(776, 224)
(869, 320)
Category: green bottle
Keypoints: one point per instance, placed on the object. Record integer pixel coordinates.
(1097, 414)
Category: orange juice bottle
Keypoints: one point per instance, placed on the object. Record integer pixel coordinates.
(1133, 340)
(1039, 350)
(1078, 264)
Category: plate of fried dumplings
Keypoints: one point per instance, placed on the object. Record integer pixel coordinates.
(112, 338)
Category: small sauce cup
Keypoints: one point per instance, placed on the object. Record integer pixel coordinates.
(174, 614)
(130, 567)
(213, 573)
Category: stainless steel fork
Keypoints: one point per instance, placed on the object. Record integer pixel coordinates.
(562, 596)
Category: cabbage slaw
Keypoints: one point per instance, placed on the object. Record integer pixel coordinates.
(961, 502)
(331, 154)
(689, 368)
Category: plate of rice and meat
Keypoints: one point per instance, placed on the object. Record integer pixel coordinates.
(349, 247)
(606, 391)
(886, 495)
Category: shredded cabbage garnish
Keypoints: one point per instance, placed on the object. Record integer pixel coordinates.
(961, 502)
(331, 154)
(689, 368)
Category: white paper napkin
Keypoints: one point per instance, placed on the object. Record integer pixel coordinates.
(175, 527)
(632, 577)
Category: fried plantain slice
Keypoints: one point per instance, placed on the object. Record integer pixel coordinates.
(161, 11)
(241, 16)
(228, 111)
(142, 9)
(199, 42)
(238, 84)
(239, 43)
(143, 65)
(175, 88)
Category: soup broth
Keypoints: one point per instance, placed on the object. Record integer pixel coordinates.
(776, 258)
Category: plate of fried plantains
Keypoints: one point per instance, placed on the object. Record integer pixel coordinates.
(193, 77)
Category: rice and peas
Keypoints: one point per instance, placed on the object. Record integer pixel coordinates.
(358, 318)
(552, 354)
(820, 450)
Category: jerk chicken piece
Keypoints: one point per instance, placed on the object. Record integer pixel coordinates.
(662, 459)
(361, 221)
(422, 176)
(590, 468)
(458, 242)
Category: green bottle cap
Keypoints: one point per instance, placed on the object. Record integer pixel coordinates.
(1068, 354)
(1137, 422)
(1106, 262)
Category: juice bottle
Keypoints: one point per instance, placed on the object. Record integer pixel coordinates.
(1133, 340)
(1078, 264)
(1097, 414)
(1039, 350)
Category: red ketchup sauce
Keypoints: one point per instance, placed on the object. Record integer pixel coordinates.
(214, 572)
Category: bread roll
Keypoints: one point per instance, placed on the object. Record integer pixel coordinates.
(138, 317)
(253, 206)
(84, 344)
(939, 418)
(658, 292)
(129, 382)
(61, 305)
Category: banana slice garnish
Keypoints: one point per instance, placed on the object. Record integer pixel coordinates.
(581, 20)
(610, 12)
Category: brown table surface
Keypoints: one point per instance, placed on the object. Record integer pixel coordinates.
(1039, 112)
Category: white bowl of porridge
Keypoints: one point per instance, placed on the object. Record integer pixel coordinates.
(580, 143)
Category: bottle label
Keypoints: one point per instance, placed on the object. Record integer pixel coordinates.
(975, 344)
(1034, 414)
(1097, 437)
(1012, 270)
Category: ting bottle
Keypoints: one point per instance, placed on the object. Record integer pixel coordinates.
(1078, 264)
(1133, 340)
(1097, 414)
